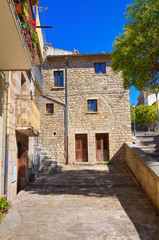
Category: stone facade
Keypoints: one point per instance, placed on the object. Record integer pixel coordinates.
(113, 107)
(16, 140)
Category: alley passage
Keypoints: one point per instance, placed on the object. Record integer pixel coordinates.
(82, 202)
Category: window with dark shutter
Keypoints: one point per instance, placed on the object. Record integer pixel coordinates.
(99, 68)
(58, 79)
(92, 105)
(49, 108)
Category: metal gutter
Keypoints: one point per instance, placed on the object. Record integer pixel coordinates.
(7, 80)
(66, 100)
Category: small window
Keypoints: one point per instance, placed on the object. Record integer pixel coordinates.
(49, 108)
(99, 68)
(92, 105)
(58, 79)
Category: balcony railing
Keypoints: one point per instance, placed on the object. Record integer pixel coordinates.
(28, 24)
(27, 116)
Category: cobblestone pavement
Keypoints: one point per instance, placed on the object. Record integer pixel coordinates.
(81, 203)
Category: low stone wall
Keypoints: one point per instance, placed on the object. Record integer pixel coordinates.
(146, 170)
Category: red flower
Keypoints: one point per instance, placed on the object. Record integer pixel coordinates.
(33, 22)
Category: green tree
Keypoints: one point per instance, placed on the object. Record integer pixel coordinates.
(146, 114)
(131, 114)
(136, 51)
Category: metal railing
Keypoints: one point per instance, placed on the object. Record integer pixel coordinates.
(28, 34)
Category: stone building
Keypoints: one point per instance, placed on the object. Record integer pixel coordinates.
(20, 83)
(85, 112)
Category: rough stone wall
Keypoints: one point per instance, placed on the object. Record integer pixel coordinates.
(113, 116)
(113, 107)
(52, 124)
(14, 91)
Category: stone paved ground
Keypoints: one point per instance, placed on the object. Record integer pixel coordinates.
(82, 203)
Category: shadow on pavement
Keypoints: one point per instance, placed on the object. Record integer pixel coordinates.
(112, 182)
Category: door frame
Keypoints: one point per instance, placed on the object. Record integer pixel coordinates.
(103, 148)
(85, 151)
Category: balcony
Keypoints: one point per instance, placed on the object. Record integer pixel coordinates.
(18, 42)
(27, 117)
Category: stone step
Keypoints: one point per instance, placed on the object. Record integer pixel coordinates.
(85, 163)
(148, 145)
(53, 168)
(156, 158)
(154, 154)
(148, 149)
(151, 152)
(147, 134)
(45, 157)
(50, 162)
(56, 168)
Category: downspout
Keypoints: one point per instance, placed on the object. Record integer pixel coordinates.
(66, 109)
(7, 80)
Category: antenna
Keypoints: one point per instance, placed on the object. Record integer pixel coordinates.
(41, 9)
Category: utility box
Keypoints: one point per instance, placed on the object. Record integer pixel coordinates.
(36, 161)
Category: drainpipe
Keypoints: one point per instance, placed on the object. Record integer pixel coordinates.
(66, 101)
(7, 80)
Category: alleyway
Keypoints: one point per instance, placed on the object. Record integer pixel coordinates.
(81, 203)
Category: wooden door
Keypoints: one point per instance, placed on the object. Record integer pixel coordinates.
(102, 147)
(21, 168)
(81, 148)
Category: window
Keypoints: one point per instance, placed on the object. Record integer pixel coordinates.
(99, 68)
(58, 79)
(92, 105)
(49, 108)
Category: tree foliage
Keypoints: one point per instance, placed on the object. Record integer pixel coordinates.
(136, 51)
(145, 114)
(132, 114)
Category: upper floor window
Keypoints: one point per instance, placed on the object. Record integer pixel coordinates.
(49, 108)
(58, 79)
(92, 105)
(99, 68)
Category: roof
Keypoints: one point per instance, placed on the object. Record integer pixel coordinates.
(79, 56)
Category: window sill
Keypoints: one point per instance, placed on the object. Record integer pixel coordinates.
(48, 113)
(100, 74)
(91, 112)
(57, 88)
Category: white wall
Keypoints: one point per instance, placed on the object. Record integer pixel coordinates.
(150, 99)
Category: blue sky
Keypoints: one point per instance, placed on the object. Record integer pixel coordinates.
(86, 25)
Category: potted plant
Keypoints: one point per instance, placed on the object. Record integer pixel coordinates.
(18, 8)
(4, 206)
(35, 39)
(25, 10)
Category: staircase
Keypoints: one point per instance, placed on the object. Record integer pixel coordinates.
(47, 163)
(149, 143)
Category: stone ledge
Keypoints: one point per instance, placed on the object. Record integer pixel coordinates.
(150, 163)
(146, 170)
(57, 88)
(92, 112)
